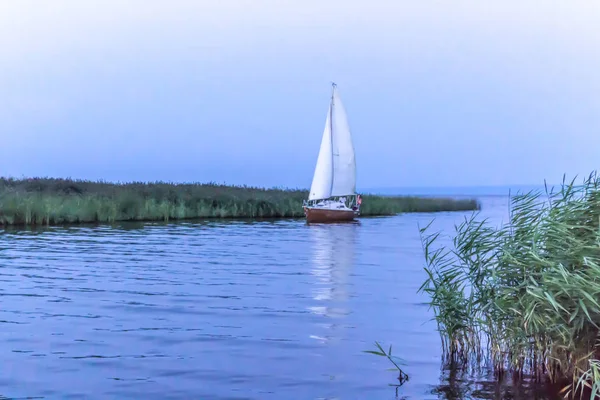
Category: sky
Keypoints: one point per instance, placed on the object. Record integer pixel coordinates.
(438, 93)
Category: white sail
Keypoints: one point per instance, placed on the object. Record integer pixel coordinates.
(344, 162)
(335, 172)
(323, 176)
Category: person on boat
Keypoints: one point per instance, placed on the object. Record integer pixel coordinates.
(358, 202)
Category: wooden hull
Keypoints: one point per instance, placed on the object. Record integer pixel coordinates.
(326, 215)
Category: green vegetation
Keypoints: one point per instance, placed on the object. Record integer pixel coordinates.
(56, 201)
(524, 296)
(396, 362)
(390, 205)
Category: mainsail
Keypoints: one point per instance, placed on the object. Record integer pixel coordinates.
(335, 172)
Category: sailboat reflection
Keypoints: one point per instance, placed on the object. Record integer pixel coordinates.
(332, 261)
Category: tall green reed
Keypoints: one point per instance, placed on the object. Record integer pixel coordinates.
(523, 296)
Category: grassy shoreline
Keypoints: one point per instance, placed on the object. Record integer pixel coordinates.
(49, 201)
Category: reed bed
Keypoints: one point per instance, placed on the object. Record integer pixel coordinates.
(523, 298)
(47, 201)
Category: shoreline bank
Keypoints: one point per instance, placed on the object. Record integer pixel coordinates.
(50, 201)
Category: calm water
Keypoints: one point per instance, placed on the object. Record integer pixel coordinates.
(268, 310)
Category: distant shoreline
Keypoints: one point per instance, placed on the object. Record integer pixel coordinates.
(459, 191)
(50, 201)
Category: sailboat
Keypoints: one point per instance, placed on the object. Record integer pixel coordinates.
(332, 195)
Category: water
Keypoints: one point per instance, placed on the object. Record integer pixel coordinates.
(223, 310)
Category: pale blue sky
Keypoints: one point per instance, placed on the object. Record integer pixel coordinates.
(439, 93)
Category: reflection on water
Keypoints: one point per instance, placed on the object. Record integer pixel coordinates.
(332, 262)
(458, 383)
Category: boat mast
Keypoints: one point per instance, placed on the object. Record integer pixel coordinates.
(333, 85)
